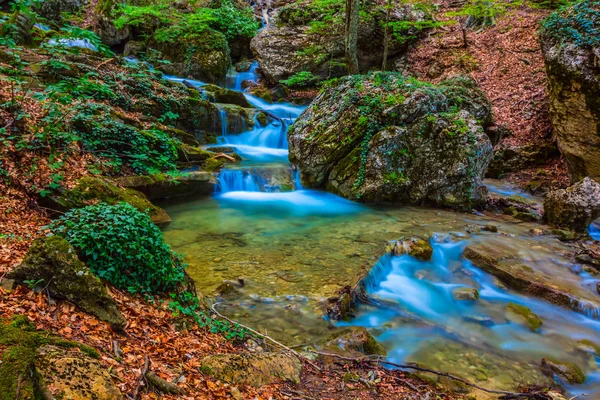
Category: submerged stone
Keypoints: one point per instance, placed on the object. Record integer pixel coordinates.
(533, 321)
(53, 262)
(255, 369)
(465, 293)
(566, 370)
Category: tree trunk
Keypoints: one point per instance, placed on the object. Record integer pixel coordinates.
(386, 37)
(352, 36)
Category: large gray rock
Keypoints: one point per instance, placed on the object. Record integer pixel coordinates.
(386, 138)
(53, 263)
(573, 68)
(52, 9)
(575, 207)
(296, 42)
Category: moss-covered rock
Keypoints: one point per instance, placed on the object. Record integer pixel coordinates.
(90, 190)
(226, 96)
(566, 370)
(418, 248)
(570, 47)
(19, 377)
(204, 56)
(52, 262)
(575, 207)
(356, 340)
(525, 314)
(161, 186)
(252, 369)
(383, 137)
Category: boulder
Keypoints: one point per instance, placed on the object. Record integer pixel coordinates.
(161, 186)
(572, 58)
(513, 158)
(524, 314)
(465, 293)
(223, 95)
(416, 247)
(575, 207)
(52, 262)
(52, 9)
(206, 57)
(566, 370)
(356, 340)
(306, 36)
(93, 189)
(256, 369)
(134, 48)
(70, 374)
(385, 138)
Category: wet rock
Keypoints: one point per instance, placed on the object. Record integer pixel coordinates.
(416, 247)
(465, 293)
(160, 186)
(533, 321)
(566, 370)
(108, 33)
(53, 262)
(222, 95)
(255, 369)
(227, 291)
(490, 228)
(573, 71)
(243, 66)
(526, 216)
(479, 319)
(511, 158)
(328, 142)
(133, 48)
(93, 189)
(575, 207)
(289, 44)
(356, 340)
(69, 374)
(589, 346)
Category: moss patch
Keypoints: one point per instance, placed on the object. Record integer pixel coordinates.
(533, 321)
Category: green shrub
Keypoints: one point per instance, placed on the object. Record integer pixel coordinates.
(122, 246)
(301, 79)
(485, 12)
(579, 23)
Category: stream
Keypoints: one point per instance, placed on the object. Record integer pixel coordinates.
(294, 248)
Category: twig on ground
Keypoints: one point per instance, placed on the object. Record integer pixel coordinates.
(142, 378)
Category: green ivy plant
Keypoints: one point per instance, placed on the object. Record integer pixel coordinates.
(122, 246)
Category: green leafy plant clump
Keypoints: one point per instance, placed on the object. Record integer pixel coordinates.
(301, 79)
(122, 246)
(578, 23)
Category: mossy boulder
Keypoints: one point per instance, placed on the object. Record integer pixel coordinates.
(91, 190)
(70, 374)
(223, 95)
(162, 186)
(203, 56)
(52, 9)
(252, 369)
(571, 53)
(385, 138)
(524, 314)
(575, 207)
(415, 247)
(465, 293)
(53, 262)
(356, 340)
(23, 377)
(566, 370)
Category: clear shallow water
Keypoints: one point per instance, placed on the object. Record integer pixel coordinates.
(294, 248)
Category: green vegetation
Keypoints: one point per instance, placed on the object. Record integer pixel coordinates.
(578, 23)
(301, 80)
(122, 246)
(484, 12)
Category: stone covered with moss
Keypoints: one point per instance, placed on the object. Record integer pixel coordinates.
(415, 247)
(52, 263)
(566, 370)
(383, 137)
(571, 46)
(308, 36)
(35, 364)
(575, 207)
(524, 313)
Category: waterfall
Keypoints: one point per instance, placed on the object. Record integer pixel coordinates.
(236, 180)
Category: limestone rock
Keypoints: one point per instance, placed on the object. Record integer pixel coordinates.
(566, 370)
(573, 71)
(53, 261)
(575, 207)
(161, 186)
(465, 293)
(52, 9)
(416, 247)
(406, 149)
(357, 340)
(509, 158)
(256, 369)
(71, 375)
(290, 44)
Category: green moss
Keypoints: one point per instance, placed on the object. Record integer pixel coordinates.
(567, 370)
(213, 164)
(530, 317)
(16, 368)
